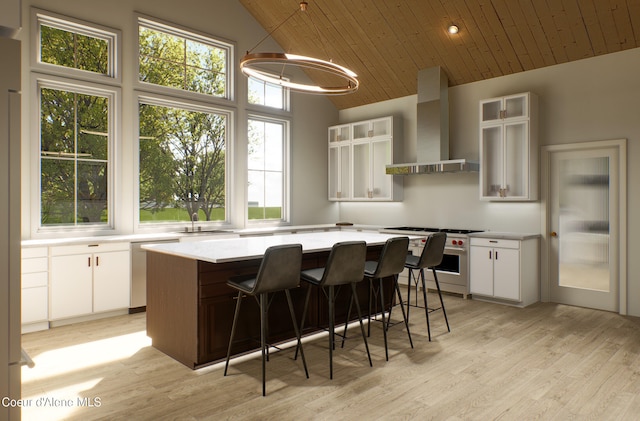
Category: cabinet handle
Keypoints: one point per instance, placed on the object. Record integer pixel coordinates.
(88, 261)
(489, 254)
(370, 133)
(97, 260)
(496, 254)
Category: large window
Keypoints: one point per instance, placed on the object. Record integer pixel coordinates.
(182, 162)
(75, 150)
(183, 60)
(267, 158)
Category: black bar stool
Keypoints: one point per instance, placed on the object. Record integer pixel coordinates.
(390, 264)
(430, 258)
(345, 265)
(279, 271)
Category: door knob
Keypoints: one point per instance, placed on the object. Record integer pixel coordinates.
(554, 234)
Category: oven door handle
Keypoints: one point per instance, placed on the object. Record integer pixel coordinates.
(455, 251)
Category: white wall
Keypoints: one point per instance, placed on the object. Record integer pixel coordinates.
(310, 117)
(586, 100)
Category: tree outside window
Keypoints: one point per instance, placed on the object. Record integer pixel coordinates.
(182, 164)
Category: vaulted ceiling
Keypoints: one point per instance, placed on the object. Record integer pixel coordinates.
(386, 42)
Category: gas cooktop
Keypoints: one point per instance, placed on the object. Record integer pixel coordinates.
(427, 229)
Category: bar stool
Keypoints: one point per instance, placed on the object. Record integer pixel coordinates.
(430, 258)
(345, 265)
(390, 264)
(279, 271)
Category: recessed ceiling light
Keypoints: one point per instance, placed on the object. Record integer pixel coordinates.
(453, 29)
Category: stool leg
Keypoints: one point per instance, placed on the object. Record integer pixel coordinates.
(295, 328)
(370, 300)
(364, 337)
(331, 330)
(233, 330)
(405, 316)
(409, 291)
(384, 323)
(426, 307)
(344, 335)
(441, 301)
(304, 316)
(263, 339)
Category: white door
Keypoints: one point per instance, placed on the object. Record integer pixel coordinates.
(71, 286)
(111, 279)
(585, 191)
(506, 273)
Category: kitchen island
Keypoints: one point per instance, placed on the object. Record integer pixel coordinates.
(190, 307)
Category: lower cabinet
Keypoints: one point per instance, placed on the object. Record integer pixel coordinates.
(505, 269)
(35, 291)
(89, 279)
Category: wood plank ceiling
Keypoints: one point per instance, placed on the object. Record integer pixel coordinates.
(386, 42)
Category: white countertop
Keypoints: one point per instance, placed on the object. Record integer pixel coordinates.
(235, 249)
(504, 235)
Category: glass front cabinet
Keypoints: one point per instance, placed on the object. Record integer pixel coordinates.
(509, 148)
(358, 159)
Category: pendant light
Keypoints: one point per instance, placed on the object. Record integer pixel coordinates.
(252, 64)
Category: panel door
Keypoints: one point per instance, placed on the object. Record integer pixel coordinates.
(111, 281)
(481, 268)
(71, 286)
(506, 273)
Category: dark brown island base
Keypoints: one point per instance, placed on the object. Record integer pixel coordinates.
(190, 307)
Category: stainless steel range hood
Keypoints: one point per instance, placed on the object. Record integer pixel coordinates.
(432, 149)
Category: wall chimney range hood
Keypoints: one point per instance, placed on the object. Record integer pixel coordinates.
(432, 149)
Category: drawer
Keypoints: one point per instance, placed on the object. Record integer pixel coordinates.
(88, 248)
(32, 280)
(29, 252)
(34, 305)
(494, 242)
(37, 264)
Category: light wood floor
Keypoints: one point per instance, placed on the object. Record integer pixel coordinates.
(546, 361)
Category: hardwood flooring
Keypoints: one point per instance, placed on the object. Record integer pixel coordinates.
(547, 361)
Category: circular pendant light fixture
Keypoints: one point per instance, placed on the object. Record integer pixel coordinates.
(254, 65)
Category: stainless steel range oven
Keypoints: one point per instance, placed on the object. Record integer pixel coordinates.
(453, 272)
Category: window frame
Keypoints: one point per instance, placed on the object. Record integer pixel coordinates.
(113, 37)
(191, 105)
(286, 98)
(184, 32)
(286, 171)
(40, 81)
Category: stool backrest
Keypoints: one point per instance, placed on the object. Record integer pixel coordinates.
(433, 250)
(279, 269)
(392, 258)
(345, 263)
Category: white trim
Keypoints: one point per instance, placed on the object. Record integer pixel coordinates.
(113, 94)
(112, 36)
(621, 145)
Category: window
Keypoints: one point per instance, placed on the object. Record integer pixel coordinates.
(267, 157)
(183, 60)
(72, 47)
(182, 167)
(76, 137)
(267, 94)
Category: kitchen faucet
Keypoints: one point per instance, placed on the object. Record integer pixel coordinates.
(194, 219)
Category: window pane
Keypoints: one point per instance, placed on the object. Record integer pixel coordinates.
(267, 94)
(74, 50)
(179, 62)
(266, 172)
(273, 96)
(74, 148)
(182, 164)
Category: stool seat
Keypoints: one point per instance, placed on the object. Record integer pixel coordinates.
(412, 262)
(313, 276)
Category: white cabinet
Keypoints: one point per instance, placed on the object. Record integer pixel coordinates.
(505, 270)
(35, 313)
(89, 279)
(358, 155)
(509, 148)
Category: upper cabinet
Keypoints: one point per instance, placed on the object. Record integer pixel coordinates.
(358, 158)
(509, 148)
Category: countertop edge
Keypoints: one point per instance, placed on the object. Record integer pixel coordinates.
(504, 235)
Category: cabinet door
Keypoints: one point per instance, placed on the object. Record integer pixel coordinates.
(111, 280)
(481, 270)
(34, 304)
(516, 160)
(492, 161)
(506, 274)
(516, 106)
(381, 183)
(491, 110)
(71, 286)
(334, 173)
(339, 133)
(361, 171)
